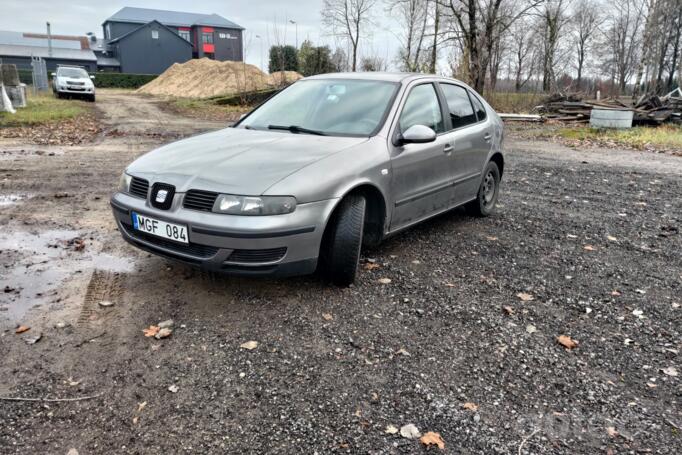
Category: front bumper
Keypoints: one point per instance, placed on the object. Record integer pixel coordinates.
(77, 91)
(279, 245)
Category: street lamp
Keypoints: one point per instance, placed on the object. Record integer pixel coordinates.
(296, 25)
(261, 52)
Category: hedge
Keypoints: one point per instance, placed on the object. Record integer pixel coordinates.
(122, 80)
(25, 76)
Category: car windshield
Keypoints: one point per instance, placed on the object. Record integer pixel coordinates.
(330, 107)
(76, 73)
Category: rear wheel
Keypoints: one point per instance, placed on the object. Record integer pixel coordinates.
(341, 253)
(485, 201)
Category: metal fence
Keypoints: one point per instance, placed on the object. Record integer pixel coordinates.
(39, 74)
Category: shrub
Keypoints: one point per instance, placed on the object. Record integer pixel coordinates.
(122, 80)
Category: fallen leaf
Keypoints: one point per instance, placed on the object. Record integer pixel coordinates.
(22, 329)
(409, 431)
(250, 345)
(173, 388)
(401, 351)
(571, 236)
(151, 331)
(106, 303)
(589, 248)
(34, 339)
(432, 438)
(141, 406)
(567, 342)
(416, 262)
(327, 316)
(72, 383)
(611, 431)
(470, 406)
(384, 280)
(390, 429)
(450, 285)
(651, 385)
(611, 238)
(492, 239)
(670, 371)
(525, 296)
(615, 293)
(509, 310)
(638, 313)
(530, 328)
(640, 291)
(135, 419)
(371, 266)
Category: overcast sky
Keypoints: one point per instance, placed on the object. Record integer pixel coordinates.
(258, 17)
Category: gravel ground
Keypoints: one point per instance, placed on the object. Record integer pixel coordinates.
(586, 243)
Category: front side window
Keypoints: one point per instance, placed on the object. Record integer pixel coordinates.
(459, 106)
(334, 107)
(207, 37)
(422, 108)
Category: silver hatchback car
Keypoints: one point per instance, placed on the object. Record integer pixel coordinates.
(331, 163)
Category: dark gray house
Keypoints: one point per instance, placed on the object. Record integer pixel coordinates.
(148, 41)
(17, 48)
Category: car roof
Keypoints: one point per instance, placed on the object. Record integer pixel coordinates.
(381, 76)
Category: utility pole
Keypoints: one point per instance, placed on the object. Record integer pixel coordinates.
(296, 26)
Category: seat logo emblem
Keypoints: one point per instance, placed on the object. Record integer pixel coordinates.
(161, 196)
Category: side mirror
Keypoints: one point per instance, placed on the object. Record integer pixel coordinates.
(418, 134)
(92, 77)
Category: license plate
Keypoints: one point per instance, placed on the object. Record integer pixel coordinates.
(171, 231)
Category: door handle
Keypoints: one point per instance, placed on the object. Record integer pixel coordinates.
(487, 137)
(447, 149)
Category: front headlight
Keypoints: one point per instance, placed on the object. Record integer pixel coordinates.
(254, 205)
(124, 183)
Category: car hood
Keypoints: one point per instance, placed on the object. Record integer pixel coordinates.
(236, 160)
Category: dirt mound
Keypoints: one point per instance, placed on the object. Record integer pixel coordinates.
(279, 78)
(204, 78)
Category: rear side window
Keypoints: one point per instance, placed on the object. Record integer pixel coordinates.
(478, 107)
(422, 108)
(459, 106)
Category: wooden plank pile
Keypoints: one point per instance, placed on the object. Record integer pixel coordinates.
(648, 110)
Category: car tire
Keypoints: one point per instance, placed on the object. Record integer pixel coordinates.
(344, 239)
(488, 191)
(91, 98)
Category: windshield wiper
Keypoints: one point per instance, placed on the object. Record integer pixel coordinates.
(297, 129)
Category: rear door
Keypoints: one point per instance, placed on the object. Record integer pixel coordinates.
(422, 173)
(470, 137)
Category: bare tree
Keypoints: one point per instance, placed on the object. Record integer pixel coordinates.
(552, 20)
(412, 15)
(477, 25)
(346, 19)
(585, 24)
(523, 55)
(622, 39)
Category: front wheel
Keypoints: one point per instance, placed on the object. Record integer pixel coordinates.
(485, 201)
(342, 248)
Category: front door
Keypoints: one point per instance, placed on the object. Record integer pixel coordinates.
(421, 173)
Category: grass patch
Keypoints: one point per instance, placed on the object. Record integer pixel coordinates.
(514, 103)
(666, 136)
(44, 108)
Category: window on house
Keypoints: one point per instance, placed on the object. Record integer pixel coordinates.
(184, 34)
(108, 31)
(155, 34)
(207, 37)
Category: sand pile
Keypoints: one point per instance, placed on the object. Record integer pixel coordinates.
(204, 78)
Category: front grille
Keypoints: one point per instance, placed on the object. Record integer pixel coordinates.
(75, 83)
(257, 256)
(200, 200)
(139, 187)
(192, 249)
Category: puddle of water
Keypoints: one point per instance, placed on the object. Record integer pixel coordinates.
(34, 266)
(9, 199)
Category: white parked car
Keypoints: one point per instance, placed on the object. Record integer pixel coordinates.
(73, 81)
